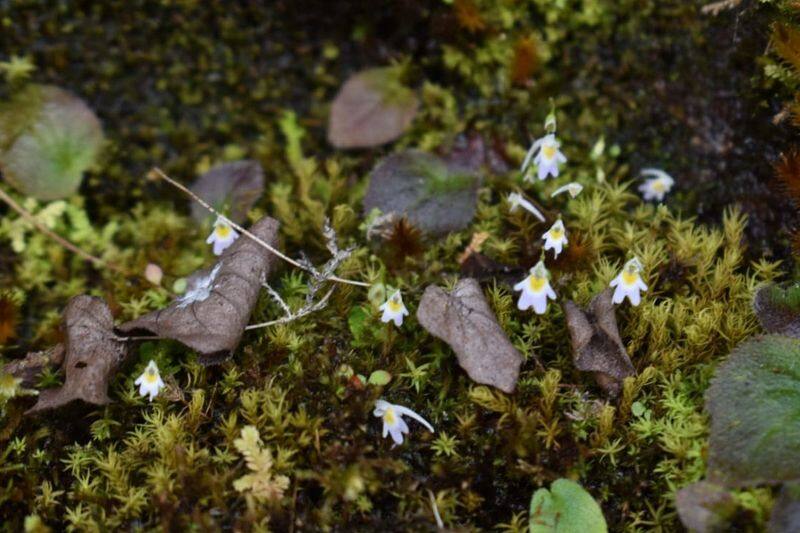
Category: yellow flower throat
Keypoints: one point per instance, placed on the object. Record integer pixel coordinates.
(537, 284)
(222, 231)
(629, 278)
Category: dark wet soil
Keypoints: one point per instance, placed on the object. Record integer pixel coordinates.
(707, 118)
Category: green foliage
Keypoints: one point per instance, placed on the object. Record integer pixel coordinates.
(50, 138)
(261, 483)
(754, 402)
(138, 465)
(785, 297)
(565, 508)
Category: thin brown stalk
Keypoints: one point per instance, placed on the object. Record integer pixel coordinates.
(160, 173)
(29, 217)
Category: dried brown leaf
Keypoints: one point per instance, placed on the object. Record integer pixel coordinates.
(373, 107)
(596, 344)
(704, 507)
(93, 354)
(464, 320)
(234, 187)
(211, 316)
(8, 319)
(525, 61)
(34, 363)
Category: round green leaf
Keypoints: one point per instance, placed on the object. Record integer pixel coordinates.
(435, 195)
(47, 155)
(754, 401)
(565, 508)
(380, 378)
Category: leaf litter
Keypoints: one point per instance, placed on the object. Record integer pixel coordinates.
(596, 344)
(464, 320)
(213, 313)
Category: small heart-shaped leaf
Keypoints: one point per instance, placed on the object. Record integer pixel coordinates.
(565, 508)
(436, 196)
(46, 155)
(372, 108)
(229, 187)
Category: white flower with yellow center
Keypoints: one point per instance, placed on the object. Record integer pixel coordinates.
(659, 184)
(555, 238)
(222, 236)
(546, 155)
(535, 289)
(517, 200)
(393, 423)
(629, 283)
(394, 309)
(150, 382)
(574, 189)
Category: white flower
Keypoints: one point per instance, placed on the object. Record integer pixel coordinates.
(555, 238)
(394, 309)
(657, 186)
(150, 381)
(547, 157)
(200, 289)
(535, 289)
(574, 189)
(516, 200)
(628, 283)
(222, 236)
(393, 423)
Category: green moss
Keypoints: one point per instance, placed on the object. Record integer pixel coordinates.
(216, 88)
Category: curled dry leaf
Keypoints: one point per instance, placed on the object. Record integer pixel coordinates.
(596, 344)
(436, 196)
(32, 365)
(212, 314)
(230, 187)
(704, 507)
(93, 354)
(373, 107)
(778, 309)
(464, 320)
